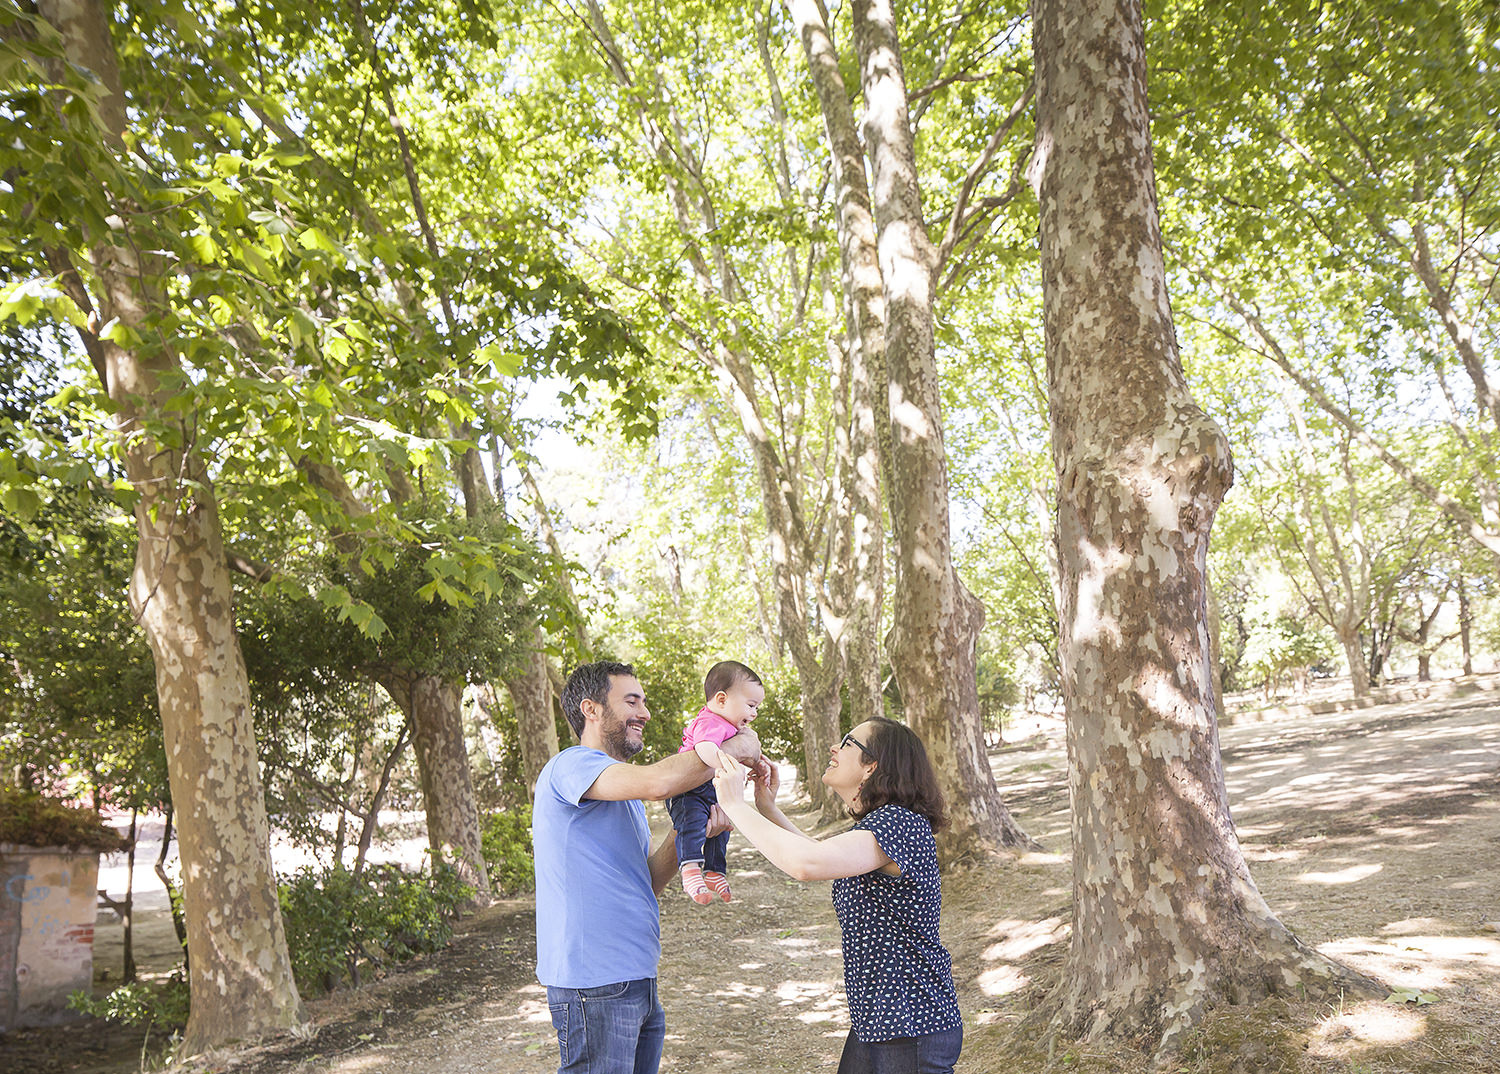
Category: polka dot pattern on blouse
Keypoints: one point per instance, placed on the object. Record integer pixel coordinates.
(897, 974)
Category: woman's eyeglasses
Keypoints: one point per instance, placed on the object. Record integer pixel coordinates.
(849, 738)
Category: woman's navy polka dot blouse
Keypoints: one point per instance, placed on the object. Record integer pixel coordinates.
(897, 974)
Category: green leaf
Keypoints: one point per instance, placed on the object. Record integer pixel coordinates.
(305, 331)
(272, 222)
(506, 363)
(314, 238)
(20, 501)
(204, 248)
(256, 259)
(337, 349)
(335, 596)
(120, 334)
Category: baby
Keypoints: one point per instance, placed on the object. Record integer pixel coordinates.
(732, 696)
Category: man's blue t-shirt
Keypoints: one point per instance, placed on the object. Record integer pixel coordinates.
(597, 918)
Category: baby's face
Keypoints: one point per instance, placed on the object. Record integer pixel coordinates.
(742, 702)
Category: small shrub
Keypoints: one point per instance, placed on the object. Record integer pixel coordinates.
(139, 1003)
(340, 923)
(507, 850)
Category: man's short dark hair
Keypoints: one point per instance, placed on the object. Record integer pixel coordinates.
(589, 681)
(726, 675)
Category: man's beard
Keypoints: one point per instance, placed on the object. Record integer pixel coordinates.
(617, 737)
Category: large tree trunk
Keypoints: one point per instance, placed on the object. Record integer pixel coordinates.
(821, 702)
(1465, 623)
(936, 619)
(1166, 917)
(241, 982)
(240, 977)
(434, 709)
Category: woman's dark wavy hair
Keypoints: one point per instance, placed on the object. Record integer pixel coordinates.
(903, 775)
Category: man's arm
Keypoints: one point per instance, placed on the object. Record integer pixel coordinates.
(663, 862)
(622, 781)
(676, 774)
(743, 747)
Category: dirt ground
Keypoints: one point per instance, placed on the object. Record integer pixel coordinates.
(1374, 834)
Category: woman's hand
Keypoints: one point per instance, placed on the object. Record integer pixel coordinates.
(729, 779)
(767, 783)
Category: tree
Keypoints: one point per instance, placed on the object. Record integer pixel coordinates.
(180, 589)
(1166, 917)
(239, 346)
(935, 619)
(1353, 149)
(744, 307)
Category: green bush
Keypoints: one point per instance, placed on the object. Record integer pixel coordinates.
(139, 1003)
(999, 692)
(1285, 643)
(340, 923)
(507, 850)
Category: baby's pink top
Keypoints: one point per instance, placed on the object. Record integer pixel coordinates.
(707, 726)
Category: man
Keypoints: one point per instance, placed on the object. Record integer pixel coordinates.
(598, 924)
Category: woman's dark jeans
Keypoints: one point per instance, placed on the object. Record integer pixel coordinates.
(934, 1053)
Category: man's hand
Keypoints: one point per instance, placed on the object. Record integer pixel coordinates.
(718, 823)
(744, 747)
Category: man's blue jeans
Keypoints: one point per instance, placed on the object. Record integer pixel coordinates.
(611, 1029)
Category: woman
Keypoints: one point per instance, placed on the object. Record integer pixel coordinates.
(886, 892)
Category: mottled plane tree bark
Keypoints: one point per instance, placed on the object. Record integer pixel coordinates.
(1167, 919)
(864, 310)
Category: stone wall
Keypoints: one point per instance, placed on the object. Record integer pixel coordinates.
(47, 910)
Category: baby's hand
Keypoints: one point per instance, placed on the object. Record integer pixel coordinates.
(729, 779)
(744, 746)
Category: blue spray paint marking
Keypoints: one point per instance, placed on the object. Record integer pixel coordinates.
(16, 891)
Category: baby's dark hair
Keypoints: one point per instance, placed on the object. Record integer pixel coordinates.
(726, 675)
